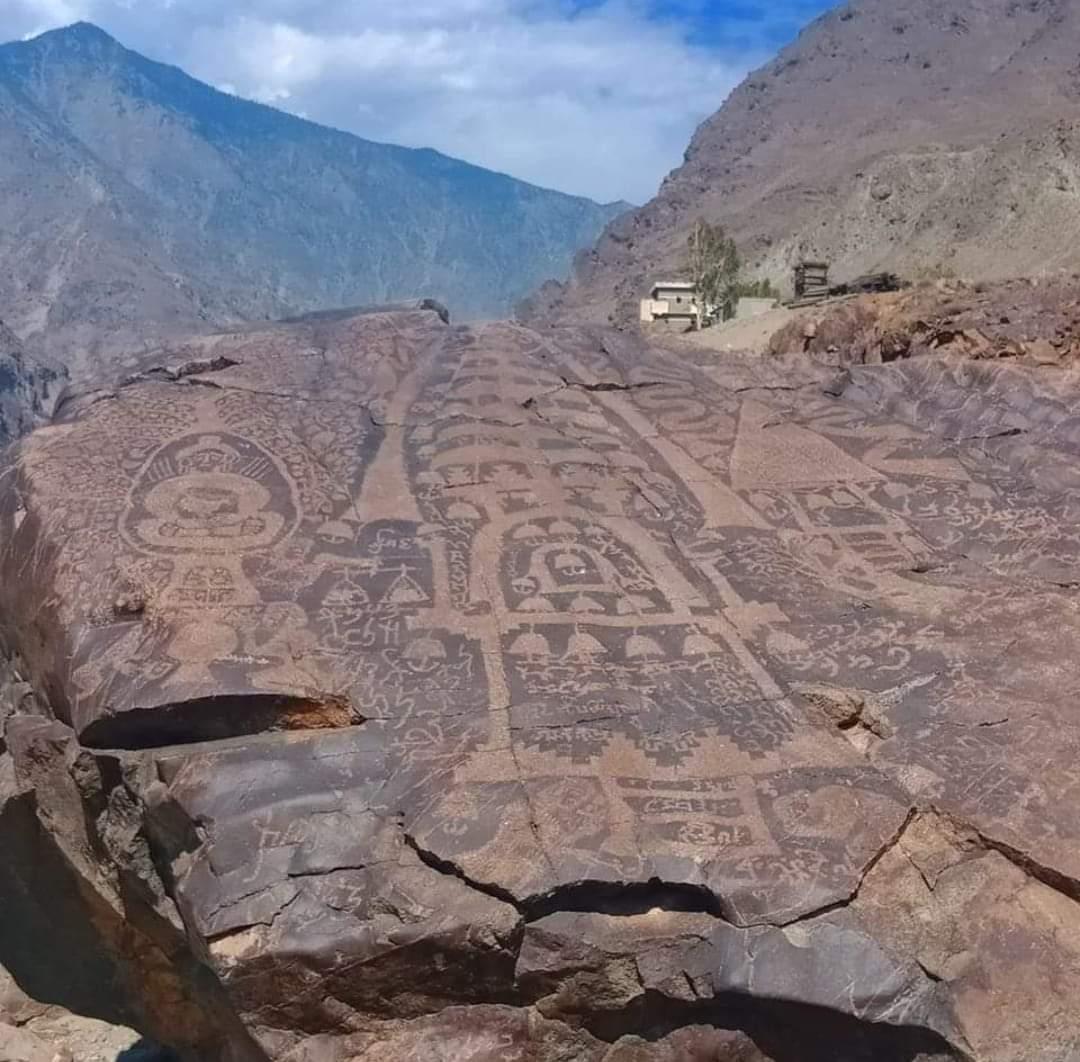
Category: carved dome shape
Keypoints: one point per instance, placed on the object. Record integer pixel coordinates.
(699, 645)
(406, 591)
(585, 603)
(347, 595)
(536, 604)
(639, 646)
(529, 531)
(531, 644)
(584, 646)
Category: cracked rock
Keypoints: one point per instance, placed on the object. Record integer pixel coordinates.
(432, 691)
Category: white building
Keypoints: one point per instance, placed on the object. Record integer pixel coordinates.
(670, 300)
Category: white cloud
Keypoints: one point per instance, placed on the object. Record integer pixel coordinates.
(601, 101)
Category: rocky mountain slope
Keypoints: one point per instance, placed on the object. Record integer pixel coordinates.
(29, 386)
(381, 689)
(913, 135)
(135, 200)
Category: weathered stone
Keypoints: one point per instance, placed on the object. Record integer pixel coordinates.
(586, 964)
(20, 1045)
(419, 691)
(31, 1029)
(29, 386)
(1043, 352)
(60, 1035)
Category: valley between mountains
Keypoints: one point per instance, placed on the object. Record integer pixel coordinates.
(385, 680)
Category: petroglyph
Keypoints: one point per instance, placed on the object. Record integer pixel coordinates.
(558, 620)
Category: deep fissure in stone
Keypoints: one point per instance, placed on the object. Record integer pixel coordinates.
(218, 717)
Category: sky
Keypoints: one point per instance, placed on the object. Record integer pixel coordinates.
(593, 97)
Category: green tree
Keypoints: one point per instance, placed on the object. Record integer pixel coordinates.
(756, 289)
(712, 263)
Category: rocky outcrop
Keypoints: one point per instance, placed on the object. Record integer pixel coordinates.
(32, 1031)
(384, 689)
(28, 387)
(1037, 321)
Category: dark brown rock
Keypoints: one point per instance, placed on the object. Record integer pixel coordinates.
(29, 386)
(417, 691)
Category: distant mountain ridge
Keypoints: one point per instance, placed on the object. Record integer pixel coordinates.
(136, 200)
(921, 136)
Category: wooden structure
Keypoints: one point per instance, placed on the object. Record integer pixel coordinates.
(811, 280)
(812, 284)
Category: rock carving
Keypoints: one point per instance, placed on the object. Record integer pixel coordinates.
(434, 685)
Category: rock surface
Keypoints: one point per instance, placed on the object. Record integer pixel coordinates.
(384, 689)
(1027, 319)
(28, 386)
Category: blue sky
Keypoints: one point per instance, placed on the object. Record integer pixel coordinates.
(595, 97)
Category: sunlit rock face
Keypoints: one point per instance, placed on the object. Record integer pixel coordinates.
(928, 139)
(386, 689)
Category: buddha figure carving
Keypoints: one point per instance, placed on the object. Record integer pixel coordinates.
(207, 500)
(204, 496)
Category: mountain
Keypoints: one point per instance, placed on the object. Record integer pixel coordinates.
(915, 135)
(135, 199)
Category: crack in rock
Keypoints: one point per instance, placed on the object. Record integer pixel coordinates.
(606, 386)
(586, 896)
(191, 368)
(1023, 861)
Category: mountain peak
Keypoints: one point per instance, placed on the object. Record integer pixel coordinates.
(79, 35)
(192, 205)
(85, 31)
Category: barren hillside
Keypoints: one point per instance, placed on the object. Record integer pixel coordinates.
(137, 202)
(913, 135)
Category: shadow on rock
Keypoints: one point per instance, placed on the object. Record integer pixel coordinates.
(147, 1051)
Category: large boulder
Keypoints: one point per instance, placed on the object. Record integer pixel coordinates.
(399, 690)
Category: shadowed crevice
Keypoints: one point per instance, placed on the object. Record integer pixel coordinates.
(625, 899)
(605, 385)
(191, 368)
(786, 1031)
(217, 718)
(43, 910)
(444, 866)
(593, 897)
